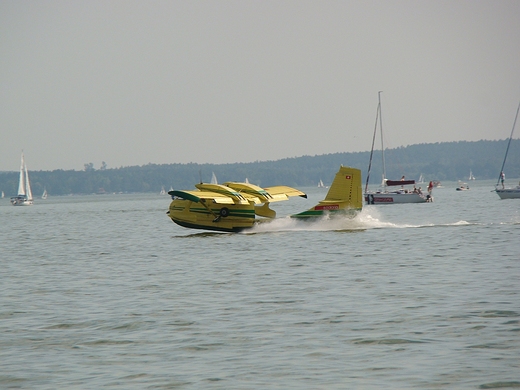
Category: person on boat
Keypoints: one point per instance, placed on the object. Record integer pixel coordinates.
(502, 178)
(430, 187)
(402, 178)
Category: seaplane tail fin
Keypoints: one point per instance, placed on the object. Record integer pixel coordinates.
(346, 187)
(344, 195)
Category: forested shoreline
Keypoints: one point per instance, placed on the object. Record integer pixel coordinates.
(436, 161)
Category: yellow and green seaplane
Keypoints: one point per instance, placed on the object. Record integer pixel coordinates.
(233, 206)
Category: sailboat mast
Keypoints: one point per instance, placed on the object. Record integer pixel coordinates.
(509, 143)
(372, 150)
(381, 131)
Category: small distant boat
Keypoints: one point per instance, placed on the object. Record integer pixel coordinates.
(508, 193)
(462, 186)
(437, 184)
(213, 178)
(3, 195)
(421, 179)
(471, 177)
(384, 196)
(44, 195)
(24, 197)
(163, 191)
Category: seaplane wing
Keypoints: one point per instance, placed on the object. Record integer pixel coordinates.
(262, 195)
(202, 196)
(223, 190)
(250, 191)
(283, 193)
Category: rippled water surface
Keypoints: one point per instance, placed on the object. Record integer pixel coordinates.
(107, 292)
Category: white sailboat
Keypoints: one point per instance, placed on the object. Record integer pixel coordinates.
(471, 177)
(384, 195)
(24, 197)
(508, 193)
(213, 178)
(320, 184)
(44, 195)
(421, 179)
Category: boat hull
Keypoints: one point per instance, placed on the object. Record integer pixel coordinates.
(508, 193)
(395, 198)
(21, 201)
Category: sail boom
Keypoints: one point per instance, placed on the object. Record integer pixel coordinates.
(399, 182)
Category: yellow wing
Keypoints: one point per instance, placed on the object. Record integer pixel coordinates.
(283, 193)
(270, 194)
(198, 196)
(251, 192)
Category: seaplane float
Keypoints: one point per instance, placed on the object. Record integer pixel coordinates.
(236, 206)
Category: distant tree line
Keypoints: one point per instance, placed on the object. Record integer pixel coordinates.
(437, 161)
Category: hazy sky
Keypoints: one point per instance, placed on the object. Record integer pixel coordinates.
(138, 82)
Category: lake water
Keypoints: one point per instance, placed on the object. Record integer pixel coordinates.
(107, 292)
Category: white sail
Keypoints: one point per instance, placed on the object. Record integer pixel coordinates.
(214, 178)
(21, 183)
(44, 195)
(27, 184)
